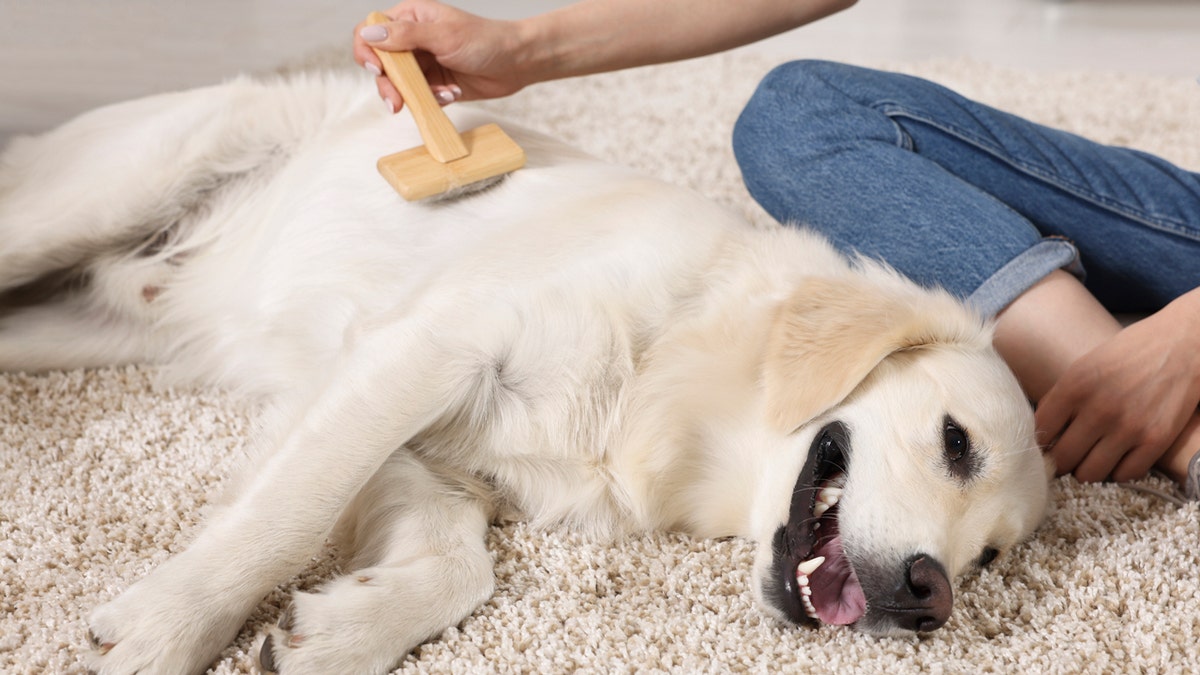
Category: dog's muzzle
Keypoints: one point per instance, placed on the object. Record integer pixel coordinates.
(814, 581)
(914, 596)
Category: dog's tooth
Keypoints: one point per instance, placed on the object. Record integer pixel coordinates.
(829, 495)
(809, 566)
(805, 590)
(820, 508)
(802, 579)
(808, 607)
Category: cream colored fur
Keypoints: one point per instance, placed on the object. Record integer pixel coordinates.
(581, 346)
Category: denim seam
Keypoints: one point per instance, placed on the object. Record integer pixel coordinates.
(1021, 273)
(1170, 226)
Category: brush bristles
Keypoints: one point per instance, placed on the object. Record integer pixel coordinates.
(463, 190)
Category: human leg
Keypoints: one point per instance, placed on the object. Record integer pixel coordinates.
(960, 195)
(964, 196)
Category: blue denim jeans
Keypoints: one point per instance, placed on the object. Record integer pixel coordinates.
(960, 195)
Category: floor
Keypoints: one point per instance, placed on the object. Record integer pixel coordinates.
(60, 57)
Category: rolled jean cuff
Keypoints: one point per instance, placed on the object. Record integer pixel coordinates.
(1022, 272)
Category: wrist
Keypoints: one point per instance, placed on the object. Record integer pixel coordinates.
(571, 41)
(1184, 313)
(537, 53)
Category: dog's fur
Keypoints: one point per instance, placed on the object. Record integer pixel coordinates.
(578, 346)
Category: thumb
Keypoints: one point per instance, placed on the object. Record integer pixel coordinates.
(402, 36)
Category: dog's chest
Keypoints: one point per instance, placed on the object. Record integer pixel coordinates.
(542, 413)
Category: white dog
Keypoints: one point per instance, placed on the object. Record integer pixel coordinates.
(577, 346)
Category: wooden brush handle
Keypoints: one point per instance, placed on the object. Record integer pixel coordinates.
(441, 138)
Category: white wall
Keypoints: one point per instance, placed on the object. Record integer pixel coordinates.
(60, 57)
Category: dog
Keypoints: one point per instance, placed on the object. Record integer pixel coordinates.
(576, 346)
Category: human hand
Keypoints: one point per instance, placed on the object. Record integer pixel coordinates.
(463, 56)
(1115, 411)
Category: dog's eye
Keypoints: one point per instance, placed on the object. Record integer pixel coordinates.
(827, 442)
(989, 554)
(956, 449)
(956, 443)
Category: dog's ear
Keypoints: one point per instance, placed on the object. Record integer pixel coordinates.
(832, 333)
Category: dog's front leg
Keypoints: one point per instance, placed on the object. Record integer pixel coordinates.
(420, 566)
(179, 618)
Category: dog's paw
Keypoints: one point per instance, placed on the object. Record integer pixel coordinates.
(349, 626)
(365, 622)
(158, 627)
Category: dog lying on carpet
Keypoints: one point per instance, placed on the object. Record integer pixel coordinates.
(578, 346)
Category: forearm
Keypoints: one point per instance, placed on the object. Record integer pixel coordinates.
(595, 36)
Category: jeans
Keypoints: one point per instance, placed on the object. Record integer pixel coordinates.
(959, 195)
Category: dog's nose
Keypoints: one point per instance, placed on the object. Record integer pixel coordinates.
(924, 600)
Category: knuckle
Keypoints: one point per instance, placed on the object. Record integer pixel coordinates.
(1154, 439)
(1137, 433)
(1110, 409)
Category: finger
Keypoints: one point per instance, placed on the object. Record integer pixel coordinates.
(1052, 415)
(441, 81)
(1073, 445)
(446, 94)
(387, 92)
(368, 38)
(366, 57)
(1137, 463)
(363, 54)
(358, 45)
(1100, 461)
(398, 36)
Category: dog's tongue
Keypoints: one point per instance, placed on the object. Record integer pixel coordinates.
(836, 594)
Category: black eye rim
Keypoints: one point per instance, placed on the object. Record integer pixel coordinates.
(957, 453)
(955, 441)
(989, 554)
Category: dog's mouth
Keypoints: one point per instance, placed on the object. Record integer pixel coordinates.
(816, 581)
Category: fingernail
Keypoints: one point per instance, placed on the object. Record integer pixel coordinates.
(373, 33)
(456, 90)
(390, 108)
(444, 96)
(372, 68)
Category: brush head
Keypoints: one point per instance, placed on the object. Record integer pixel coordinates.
(416, 175)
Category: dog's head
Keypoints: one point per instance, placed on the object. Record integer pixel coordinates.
(913, 460)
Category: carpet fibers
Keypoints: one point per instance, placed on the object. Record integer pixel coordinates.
(103, 475)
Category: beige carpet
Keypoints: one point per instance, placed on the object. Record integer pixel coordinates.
(102, 476)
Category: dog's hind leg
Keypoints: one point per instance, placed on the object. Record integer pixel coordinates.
(114, 178)
(106, 316)
(71, 333)
(94, 183)
(420, 567)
